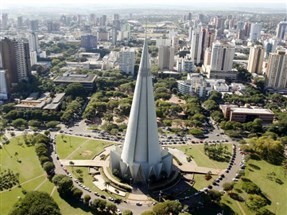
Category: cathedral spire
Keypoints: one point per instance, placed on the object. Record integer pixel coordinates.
(141, 155)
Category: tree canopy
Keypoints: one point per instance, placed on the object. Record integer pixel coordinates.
(35, 203)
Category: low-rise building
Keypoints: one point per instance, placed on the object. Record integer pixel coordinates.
(87, 80)
(44, 101)
(247, 113)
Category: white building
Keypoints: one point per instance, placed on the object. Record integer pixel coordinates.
(255, 31)
(3, 85)
(127, 60)
(163, 42)
(255, 60)
(33, 57)
(166, 58)
(277, 70)
(33, 42)
(222, 56)
(185, 65)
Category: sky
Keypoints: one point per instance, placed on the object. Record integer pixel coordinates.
(163, 2)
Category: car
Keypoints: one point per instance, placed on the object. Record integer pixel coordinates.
(103, 197)
(235, 179)
(139, 204)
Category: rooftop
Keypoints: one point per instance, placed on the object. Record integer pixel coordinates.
(252, 111)
(76, 78)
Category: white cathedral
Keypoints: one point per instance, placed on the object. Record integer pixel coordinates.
(141, 156)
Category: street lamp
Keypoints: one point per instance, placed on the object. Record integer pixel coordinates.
(159, 196)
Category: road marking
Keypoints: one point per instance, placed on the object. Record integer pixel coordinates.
(240, 207)
(52, 192)
(25, 182)
(67, 158)
(40, 184)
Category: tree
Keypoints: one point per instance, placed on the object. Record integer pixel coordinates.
(52, 124)
(167, 207)
(254, 202)
(36, 202)
(76, 193)
(215, 195)
(48, 167)
(250, 187)
(127, 212)
(75, 90)
(34, 123)
(41, 149)
(111, 207)
(227, 186)
(196, 131)
(148, 213)
(210, 105)
(64, 184)
(20, 123)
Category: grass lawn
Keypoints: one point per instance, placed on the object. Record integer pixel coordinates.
(32, 177)
(201, 182)
(197, 153)
(30, 171)
(70, 147)
(27, 156)
(257, 172)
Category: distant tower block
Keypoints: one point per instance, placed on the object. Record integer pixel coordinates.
(141, 157)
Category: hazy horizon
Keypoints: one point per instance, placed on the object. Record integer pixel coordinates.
(202, 3)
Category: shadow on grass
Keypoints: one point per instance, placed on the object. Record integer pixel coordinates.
(255, 157)
(254, 166)
(214, 208)
(81, 205)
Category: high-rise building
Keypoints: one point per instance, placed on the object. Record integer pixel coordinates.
(19, 22)
(219, 22)
(255, 60)
(88, 42)
(3, 85)
(127, 60)
(255, 31)
(196, 45)
(34, 25)
(4, 21)
(247, 29)
(33, 58)
(116, 16)
(185, 65)
(222, 56)
(189, 34)
(141, 158)
(92, 19)
(165, 58)
(114, 36)
(277, 70)
(103, 20)
(33, 42)
(281, 30)
(15, 60)
(53, 26)
(102, 35)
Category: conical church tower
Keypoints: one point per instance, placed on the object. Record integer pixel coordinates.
(141, 156)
